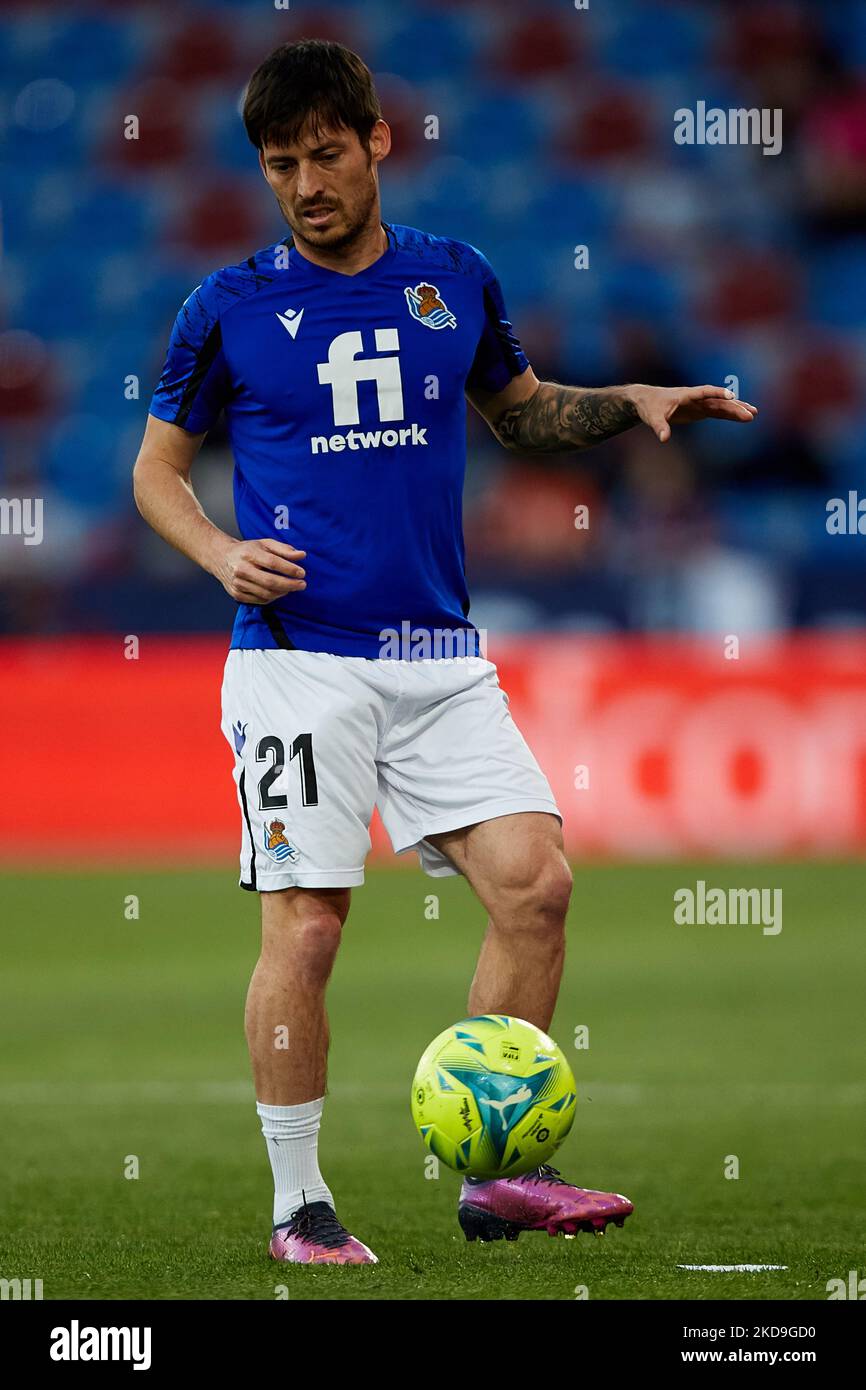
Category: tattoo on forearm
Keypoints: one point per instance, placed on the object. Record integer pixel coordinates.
(556, 418)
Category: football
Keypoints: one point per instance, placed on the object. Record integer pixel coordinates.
(493, 1097)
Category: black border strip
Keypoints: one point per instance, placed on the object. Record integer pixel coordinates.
(276, 629)
(243, 793)
(203, 363)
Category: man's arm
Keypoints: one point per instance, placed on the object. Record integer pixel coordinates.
(250, 571)
(532, 416)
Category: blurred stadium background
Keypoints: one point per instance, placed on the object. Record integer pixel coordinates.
(705, 263)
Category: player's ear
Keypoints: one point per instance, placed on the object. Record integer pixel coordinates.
(380, 141)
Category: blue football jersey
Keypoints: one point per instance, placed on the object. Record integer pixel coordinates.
(344, 401)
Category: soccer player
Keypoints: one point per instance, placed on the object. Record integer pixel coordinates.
(343, 356)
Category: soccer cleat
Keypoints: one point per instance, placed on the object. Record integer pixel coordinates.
(314, 1236)
(538, 1201)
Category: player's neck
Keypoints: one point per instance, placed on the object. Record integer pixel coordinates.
(367, 247)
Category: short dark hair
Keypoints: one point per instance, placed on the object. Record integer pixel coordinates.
(312, 80)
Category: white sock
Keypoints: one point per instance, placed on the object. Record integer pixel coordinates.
(292, 1136)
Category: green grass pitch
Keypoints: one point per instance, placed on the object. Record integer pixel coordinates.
(124, 1037)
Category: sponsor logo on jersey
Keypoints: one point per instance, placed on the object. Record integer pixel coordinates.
(344, 369)
(342, 372)
(368, 439)
(426, 307)
(276, 844)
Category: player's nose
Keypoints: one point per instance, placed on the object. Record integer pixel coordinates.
(309, 185)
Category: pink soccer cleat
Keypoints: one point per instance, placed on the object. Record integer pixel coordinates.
(538, 1201)
(314, 1236)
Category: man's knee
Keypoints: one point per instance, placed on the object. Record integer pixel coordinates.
(302, 930)
(537, 889)
(552, 887)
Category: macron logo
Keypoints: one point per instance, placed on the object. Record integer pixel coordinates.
(291, 320)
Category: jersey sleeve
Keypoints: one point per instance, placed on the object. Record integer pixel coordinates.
(498, 356)
(195, 383)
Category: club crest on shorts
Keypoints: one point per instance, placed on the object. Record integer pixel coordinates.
(276, 844)
(426, 306)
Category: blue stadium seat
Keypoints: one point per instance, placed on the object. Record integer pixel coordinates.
(81, 460)
(60, 294)
(645, 290)
(837, 285)
(442, 42)
(589, 350)
(120, 353)
(110, 217)
(498, 125)
(844, 23)
(571, 211)
(226, 139)
(78, 49)
(639, 40)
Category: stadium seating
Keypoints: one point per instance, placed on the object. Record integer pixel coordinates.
(555, 131)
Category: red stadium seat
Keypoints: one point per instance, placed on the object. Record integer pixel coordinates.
(165, 133)
(200, 52)
(537, 46)
(26, 377)
(750, 287)
(613, 125)
(225, 218)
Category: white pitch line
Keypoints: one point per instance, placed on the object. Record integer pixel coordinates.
(168, 1092)
(117, 1092)
(82, 1091)
(732, 1269)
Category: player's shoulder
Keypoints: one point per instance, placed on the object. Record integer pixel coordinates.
(442, 252)
(226, 287)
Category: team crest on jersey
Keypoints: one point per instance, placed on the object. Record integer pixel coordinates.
(426, 306)
(276, 844)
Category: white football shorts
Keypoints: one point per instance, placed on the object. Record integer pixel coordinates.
(320, 740)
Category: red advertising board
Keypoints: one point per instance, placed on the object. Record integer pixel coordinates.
(654, 748)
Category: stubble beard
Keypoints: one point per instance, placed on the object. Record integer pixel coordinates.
(336, 240)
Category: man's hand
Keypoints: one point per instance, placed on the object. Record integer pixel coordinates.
(663, 406)
(249, 571)
(258, 571)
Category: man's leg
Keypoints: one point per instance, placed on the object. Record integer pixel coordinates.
(517, 868)
(285, 1020)
(303, 879)
(287, 1035)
